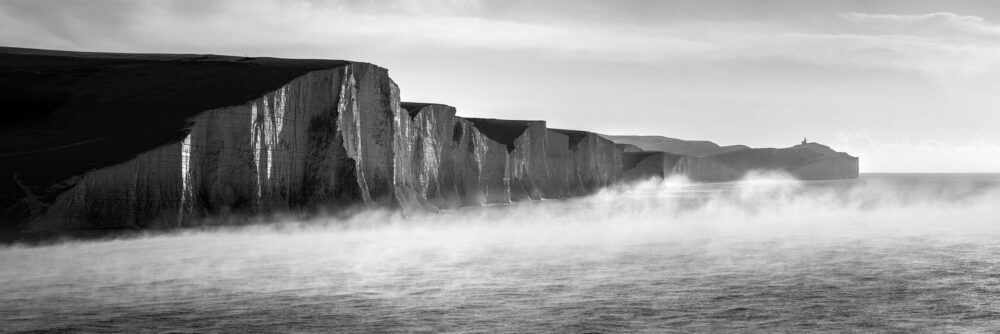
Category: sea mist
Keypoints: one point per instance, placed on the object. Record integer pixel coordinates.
(885, 252)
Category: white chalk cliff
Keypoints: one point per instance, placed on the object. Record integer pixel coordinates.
(199, 137)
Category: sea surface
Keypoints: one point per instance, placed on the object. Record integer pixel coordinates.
(885, 253)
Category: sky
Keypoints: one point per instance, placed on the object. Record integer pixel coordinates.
(907, 85)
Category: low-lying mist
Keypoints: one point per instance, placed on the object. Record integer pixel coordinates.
(671, 228)
(763, 207)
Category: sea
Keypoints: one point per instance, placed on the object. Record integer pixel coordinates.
(883, 253)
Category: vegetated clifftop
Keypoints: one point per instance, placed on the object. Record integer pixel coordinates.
(95, 141)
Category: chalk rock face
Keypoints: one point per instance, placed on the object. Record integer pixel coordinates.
(112, 141)
(293, 148)
(112, 127)
(146, 191)
(425, 164)
(484, 165)
(526, 147)
(370, 127)
(703, 170)
(529, 163)
(562, 176)
(476, 161)
(466, 163)
(644, 165)
(598, 162)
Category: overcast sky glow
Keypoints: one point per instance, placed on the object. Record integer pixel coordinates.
(908, 85)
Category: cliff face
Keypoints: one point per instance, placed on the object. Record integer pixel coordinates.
(526, 162)
(196, 137)
(645, 165)
(426, 174)
(68, 116)
(596, 160)
(562, 176)
(297, 147)
(704, 170)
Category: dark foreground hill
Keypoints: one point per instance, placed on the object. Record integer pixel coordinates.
(95, 141)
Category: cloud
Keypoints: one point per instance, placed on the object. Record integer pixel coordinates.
(978, 145)
(959, 53)
(944, 26)
(939, 44)
(969, 153)
(390, 25)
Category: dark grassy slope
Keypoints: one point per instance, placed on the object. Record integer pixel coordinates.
(501, 130)
(575, 136)
(65, 113)
(413, 108)
(631, 159)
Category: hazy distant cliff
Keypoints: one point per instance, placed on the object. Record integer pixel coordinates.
(706, 161)
(807, 161)
(108, 141)
(698, 148)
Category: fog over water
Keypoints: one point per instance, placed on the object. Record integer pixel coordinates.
(885, 252)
